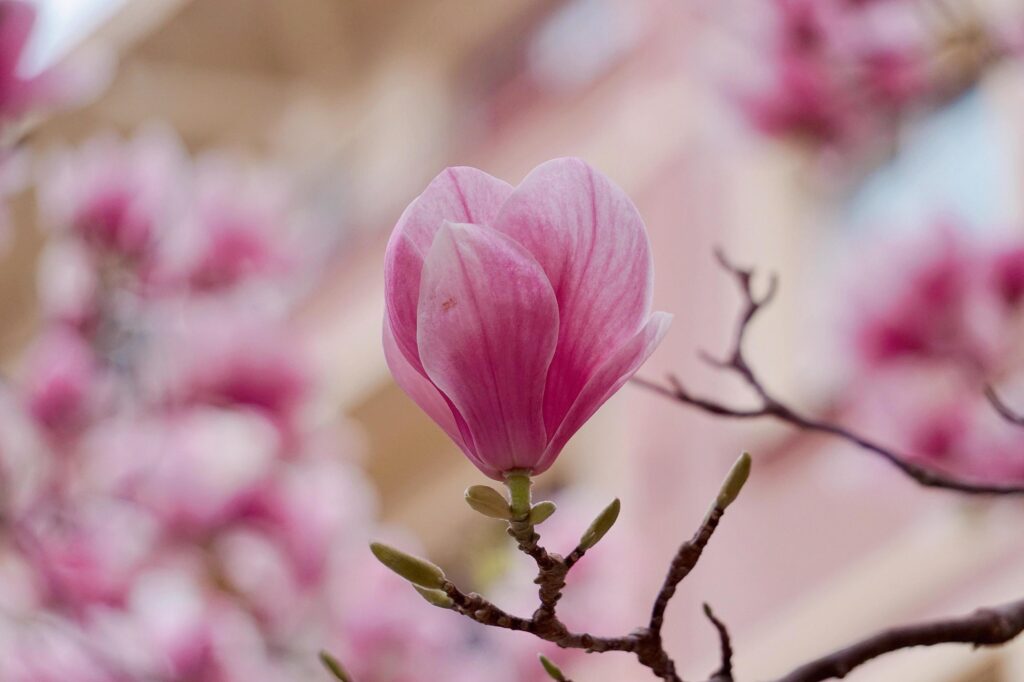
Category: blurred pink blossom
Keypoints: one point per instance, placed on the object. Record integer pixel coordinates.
(175, 509)
(844, 75)
(118, 197)
(60, 380)
(936, 319)
(235, 230)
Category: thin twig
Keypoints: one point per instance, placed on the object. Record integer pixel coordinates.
(724, 672)
(684, 562)
(645, 642)
(1004, 410)
(985, 627)
(772, 407)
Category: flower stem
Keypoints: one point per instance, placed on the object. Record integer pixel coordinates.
(519, 483)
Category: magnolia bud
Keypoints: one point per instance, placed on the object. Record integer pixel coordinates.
(334, 667)
(415, 570)
(541, 512)
(435, 597)
(734, 481)
(601, 525)
(488, 502)
(551, 669)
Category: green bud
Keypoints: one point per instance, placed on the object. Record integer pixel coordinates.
(541, 512)
(415, 570)
(435, 597)
(601, 525)
(734, 481)
(488, 502)
(551, 669)
(334, 667)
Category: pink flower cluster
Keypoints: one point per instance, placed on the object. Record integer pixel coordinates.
(942, 318)
(842, 72)
(171, 507)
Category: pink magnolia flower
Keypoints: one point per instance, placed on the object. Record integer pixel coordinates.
(513, 314)
(235, 228)
(117, 196)
(17, 92)
(59, 377)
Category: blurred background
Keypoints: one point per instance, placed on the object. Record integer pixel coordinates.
(198, 433)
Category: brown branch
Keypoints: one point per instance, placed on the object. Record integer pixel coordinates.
(985, 627)
(772, 407)
(1004, 410)
(645, 642)
(684, 562)
(724, 672)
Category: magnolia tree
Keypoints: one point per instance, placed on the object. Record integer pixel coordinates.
(175, 507)
(512, 314)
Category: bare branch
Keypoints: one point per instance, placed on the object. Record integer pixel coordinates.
(684, 562)
(735, 361)
(985, 627)
(724, 673)
(1004, 410)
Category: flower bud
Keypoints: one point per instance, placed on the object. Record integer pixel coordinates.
(488, 502)
(734, 481)
(601, 525)
(551, 669)
(417, 571)
(541, 512)
(561, 267)
(334, 667)
(436, 597)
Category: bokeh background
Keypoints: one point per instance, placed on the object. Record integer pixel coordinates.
(198, 433)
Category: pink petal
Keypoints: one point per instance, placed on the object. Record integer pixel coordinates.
(426, 395)
(488, 324)
(16, 21)
(608, 379)
(591, 242)
(460, 195)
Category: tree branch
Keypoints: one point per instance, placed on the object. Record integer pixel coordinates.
(644, 642)
(1004, 410)
(724, 672)
(985, 627)
(772, 407)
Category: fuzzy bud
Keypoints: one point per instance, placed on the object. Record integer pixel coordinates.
(601, 525)
(417, 571)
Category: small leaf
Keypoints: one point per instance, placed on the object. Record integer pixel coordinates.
(415, 570)
(541, 512)
(488, 502)
(734, 481)
(551, 669)
(435, 597)
(334, 667)
(601, 525)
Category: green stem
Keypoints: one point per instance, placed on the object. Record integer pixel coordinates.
(518, 483)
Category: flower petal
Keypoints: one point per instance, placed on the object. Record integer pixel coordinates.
(16, 21)
(591, 242)
(429, 398)
(608, 379)
(487, 328)
(461, 195)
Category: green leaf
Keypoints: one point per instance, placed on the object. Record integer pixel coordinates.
(334, 667)
(488, 502)
(415, 570)
(541, 512)
(601, 525)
